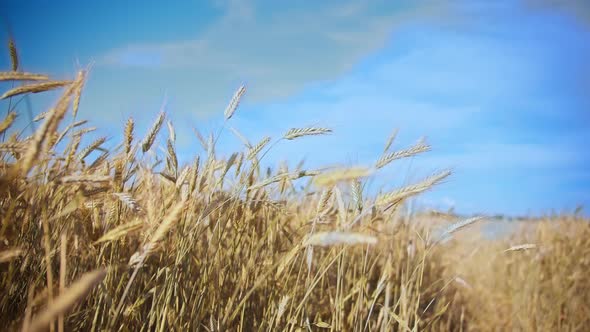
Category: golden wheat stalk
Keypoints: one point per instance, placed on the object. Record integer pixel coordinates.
(331, 178)
(35, 88)
(171, 131)
(86, 178)
(13, 55)
(10, 254)
(13, 147)
(93, 146)
(61, 109)
(405, 192)
(128, 200)
(72, 149)
(48, 127)
(62, 276)
(282, 307)
(78, 92)
(151, 136)
(61, 305)
(234, 102)
(41, 116)
(390, 140)
(139, 257)
(21, 76)
(420, 147)
(7, 122)
(294, 133)
(168, 177)
(171, 159)
(79, 123)
(230, 162)
(194, 175)
(83, 131)
(526, 246)
(182, 177)
(280, 177)
(172, 217)
(455, 227)
(129, 135)
(335, 238)
(253, 152)
(120, 231)
(99, 161)
(239, 162)
(357, 195)
(67, 129)
(324, 201)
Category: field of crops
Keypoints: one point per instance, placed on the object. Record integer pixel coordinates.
(129, 239)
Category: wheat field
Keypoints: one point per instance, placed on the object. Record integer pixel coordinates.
(129, 239)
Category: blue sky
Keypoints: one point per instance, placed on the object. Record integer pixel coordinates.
(498, 88)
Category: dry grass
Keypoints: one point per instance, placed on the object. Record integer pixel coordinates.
(534, 280)
(217, 245)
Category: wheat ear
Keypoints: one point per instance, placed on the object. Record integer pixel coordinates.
(151, 136)
(405, 192)
(35, 88)
(234, 102)
(13, 55)
(77, 291)
(419, 147)
(294, 133)
(20, 76)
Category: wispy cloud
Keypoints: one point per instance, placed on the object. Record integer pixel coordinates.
(497, 108)
(279, 49)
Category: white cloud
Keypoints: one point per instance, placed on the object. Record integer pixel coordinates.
(278, 50)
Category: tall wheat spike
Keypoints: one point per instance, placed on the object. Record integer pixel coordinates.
(328, 179)
(93, 146)
(171, 131)
(335, 238)
(420, 147)
(357, 195)
(77, 291)
(151, 136)
(68, 128)
(253, 152)
(455, 227)
(149, 247)
(520, 247)
(7, 122)
(41, 116)
(78, 92)
(83, 131)
(120, 231)
(92, 178)
(405, 192)
(35, 88)
(390, 140)
(324, 201)
(48, 127)
(234, 102)
(21, 76)
(294, 133)
(13, 54)
(129, 135)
